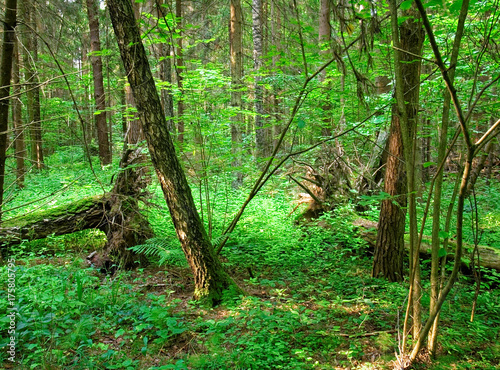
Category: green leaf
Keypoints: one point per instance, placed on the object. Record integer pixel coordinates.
(443, 234)
(405, 5)
(442, 252)
(301, 123)
(455, 6)
(433, 3)
(428, 164)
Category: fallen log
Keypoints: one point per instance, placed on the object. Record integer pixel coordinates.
(87, 213)
(489, 256)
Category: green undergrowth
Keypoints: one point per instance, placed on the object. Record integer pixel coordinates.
(310, 304)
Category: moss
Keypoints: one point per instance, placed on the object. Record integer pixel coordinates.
(55, 212)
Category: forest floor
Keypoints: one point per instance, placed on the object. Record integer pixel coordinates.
(310, 304)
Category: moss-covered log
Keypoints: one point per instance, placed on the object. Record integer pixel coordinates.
(489, 256)
(87, 213)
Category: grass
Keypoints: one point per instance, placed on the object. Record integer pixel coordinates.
(311, 302)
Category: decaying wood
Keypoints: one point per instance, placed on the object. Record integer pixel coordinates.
(87, 213)
(489, 256)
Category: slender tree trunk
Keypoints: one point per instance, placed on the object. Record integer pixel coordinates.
(260, 133)
(5, 77)
(30, 59)
(19, 144)
(99, 95)
(236, 56)
(209, 276)
(436, 212)
(166, 76)
(179, 70)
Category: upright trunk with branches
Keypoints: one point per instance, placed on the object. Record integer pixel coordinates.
(178, 70)
(5, 77)
(438, 182)
(399, 175)
(99, 95)
(209, 276)
(19, 143)
(30, 59)
(236, 56)
(260, 132)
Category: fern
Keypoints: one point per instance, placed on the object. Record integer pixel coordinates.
(167, 251)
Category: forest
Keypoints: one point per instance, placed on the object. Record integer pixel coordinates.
(260, 184)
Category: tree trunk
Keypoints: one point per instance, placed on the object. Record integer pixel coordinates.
(179, 70)
(389, 248)
(87, 213)
(20, 148)
(5, 77)
(99, 95)
(236, 56)
(209, 277)
(260, 133)
(30, 59)
(166, 76)
(390, 243)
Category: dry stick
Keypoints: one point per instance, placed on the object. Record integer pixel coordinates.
(306, 190)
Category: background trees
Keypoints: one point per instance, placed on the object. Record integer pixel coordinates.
(273, 80)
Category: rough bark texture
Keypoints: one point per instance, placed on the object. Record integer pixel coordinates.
(236, 56)
(389, 249)
(209, 277)
(126, 226)
(30, 59)
(5, 77)
(260, 133)
(165, 74)
(20, 147)
(99, 95)
(179, 70)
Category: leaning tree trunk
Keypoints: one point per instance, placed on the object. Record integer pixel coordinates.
(209, 277)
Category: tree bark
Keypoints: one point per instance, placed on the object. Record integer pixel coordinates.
(166, 75)
(179, 69)
(209, 276)
(389, 248)
(260, 133)
(30, 59)
(20, 147)
(390, 242)
(236, 56)
(5, 77)
(99, 95)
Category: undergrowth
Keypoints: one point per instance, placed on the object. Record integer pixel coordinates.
(311, 302)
